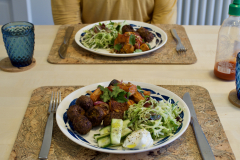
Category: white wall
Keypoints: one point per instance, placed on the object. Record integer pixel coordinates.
(41, 12)
(36, 11)
(5, 12)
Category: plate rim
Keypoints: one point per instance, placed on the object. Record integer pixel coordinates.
(119, 55)
(123, 151)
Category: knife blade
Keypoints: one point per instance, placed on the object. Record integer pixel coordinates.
(63, 48)
(205, 149)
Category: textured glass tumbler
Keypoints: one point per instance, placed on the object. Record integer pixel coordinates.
(237, 75)
(19, 42)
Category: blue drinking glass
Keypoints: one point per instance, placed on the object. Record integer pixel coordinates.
(19, 42)
(237, 75)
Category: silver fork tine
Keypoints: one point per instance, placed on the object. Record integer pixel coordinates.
(50, 104)
(52, 109)
(59, 100)
(57, 103)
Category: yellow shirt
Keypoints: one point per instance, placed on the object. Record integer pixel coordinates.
(90, 11)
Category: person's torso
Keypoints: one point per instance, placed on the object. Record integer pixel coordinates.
(101, 10)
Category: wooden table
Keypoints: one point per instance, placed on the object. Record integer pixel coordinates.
(16, 88)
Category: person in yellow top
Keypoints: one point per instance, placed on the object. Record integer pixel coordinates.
(91, 11)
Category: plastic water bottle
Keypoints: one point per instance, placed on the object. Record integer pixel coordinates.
(228, 44)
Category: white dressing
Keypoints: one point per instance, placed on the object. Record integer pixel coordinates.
(140, 139)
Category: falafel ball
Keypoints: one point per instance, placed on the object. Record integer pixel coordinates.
(73, 111)
(85, 102)
(108, 118)
(104, 107)
(95, 115)
(81, 124)
(127, 28)
(114, 82)
(145, 34)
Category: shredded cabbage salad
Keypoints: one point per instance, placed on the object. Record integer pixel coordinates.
(160, 118)
(105, 36)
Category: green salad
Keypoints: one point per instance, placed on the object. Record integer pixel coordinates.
(160, 118)
(102, 36)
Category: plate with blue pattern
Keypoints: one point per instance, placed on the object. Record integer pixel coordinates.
(159, 40)
(88, 141)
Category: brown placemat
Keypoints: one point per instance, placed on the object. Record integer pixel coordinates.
(165, 55)
(30, 135)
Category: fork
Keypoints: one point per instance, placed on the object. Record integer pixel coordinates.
(180, 48)
(49, 127)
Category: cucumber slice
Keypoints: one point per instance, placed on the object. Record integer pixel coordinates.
(125, 123)
(105, 130)
(116, 130)
(95, 135)
(125, 133)
(101, 136)
(104, 142)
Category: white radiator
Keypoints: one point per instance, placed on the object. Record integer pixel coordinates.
(202, 12)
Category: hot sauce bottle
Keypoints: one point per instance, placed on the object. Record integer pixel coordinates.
(228, 44)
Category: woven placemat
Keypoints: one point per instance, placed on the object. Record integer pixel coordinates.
(30, 135)
(165, 55)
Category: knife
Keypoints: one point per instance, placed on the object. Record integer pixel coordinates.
(202, 142)
(63, 48)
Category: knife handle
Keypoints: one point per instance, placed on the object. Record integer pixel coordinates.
(68, 34)
(47, 139)
(203, 145)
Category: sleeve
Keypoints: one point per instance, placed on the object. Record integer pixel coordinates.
(165, 12)
(66, 12)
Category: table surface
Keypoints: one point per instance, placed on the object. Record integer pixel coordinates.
(16, 88)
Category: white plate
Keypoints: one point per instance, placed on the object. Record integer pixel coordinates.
(88, 141)
(160, 38)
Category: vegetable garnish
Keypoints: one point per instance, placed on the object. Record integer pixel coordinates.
(149, 46)
(137, 50)
(117, 94)
(132, 40)
(160, 118)
(118, 47)
(139, 89)
(102, 36)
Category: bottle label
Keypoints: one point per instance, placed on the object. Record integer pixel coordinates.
(226, 67)
(224, 70)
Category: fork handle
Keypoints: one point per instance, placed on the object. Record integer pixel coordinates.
(175, 35)
(47, 138)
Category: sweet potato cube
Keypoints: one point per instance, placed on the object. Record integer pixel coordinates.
(96, 95)
(146, 93)
(130, 102)
(137, 97)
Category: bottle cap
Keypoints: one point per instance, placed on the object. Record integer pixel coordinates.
(234, 8)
